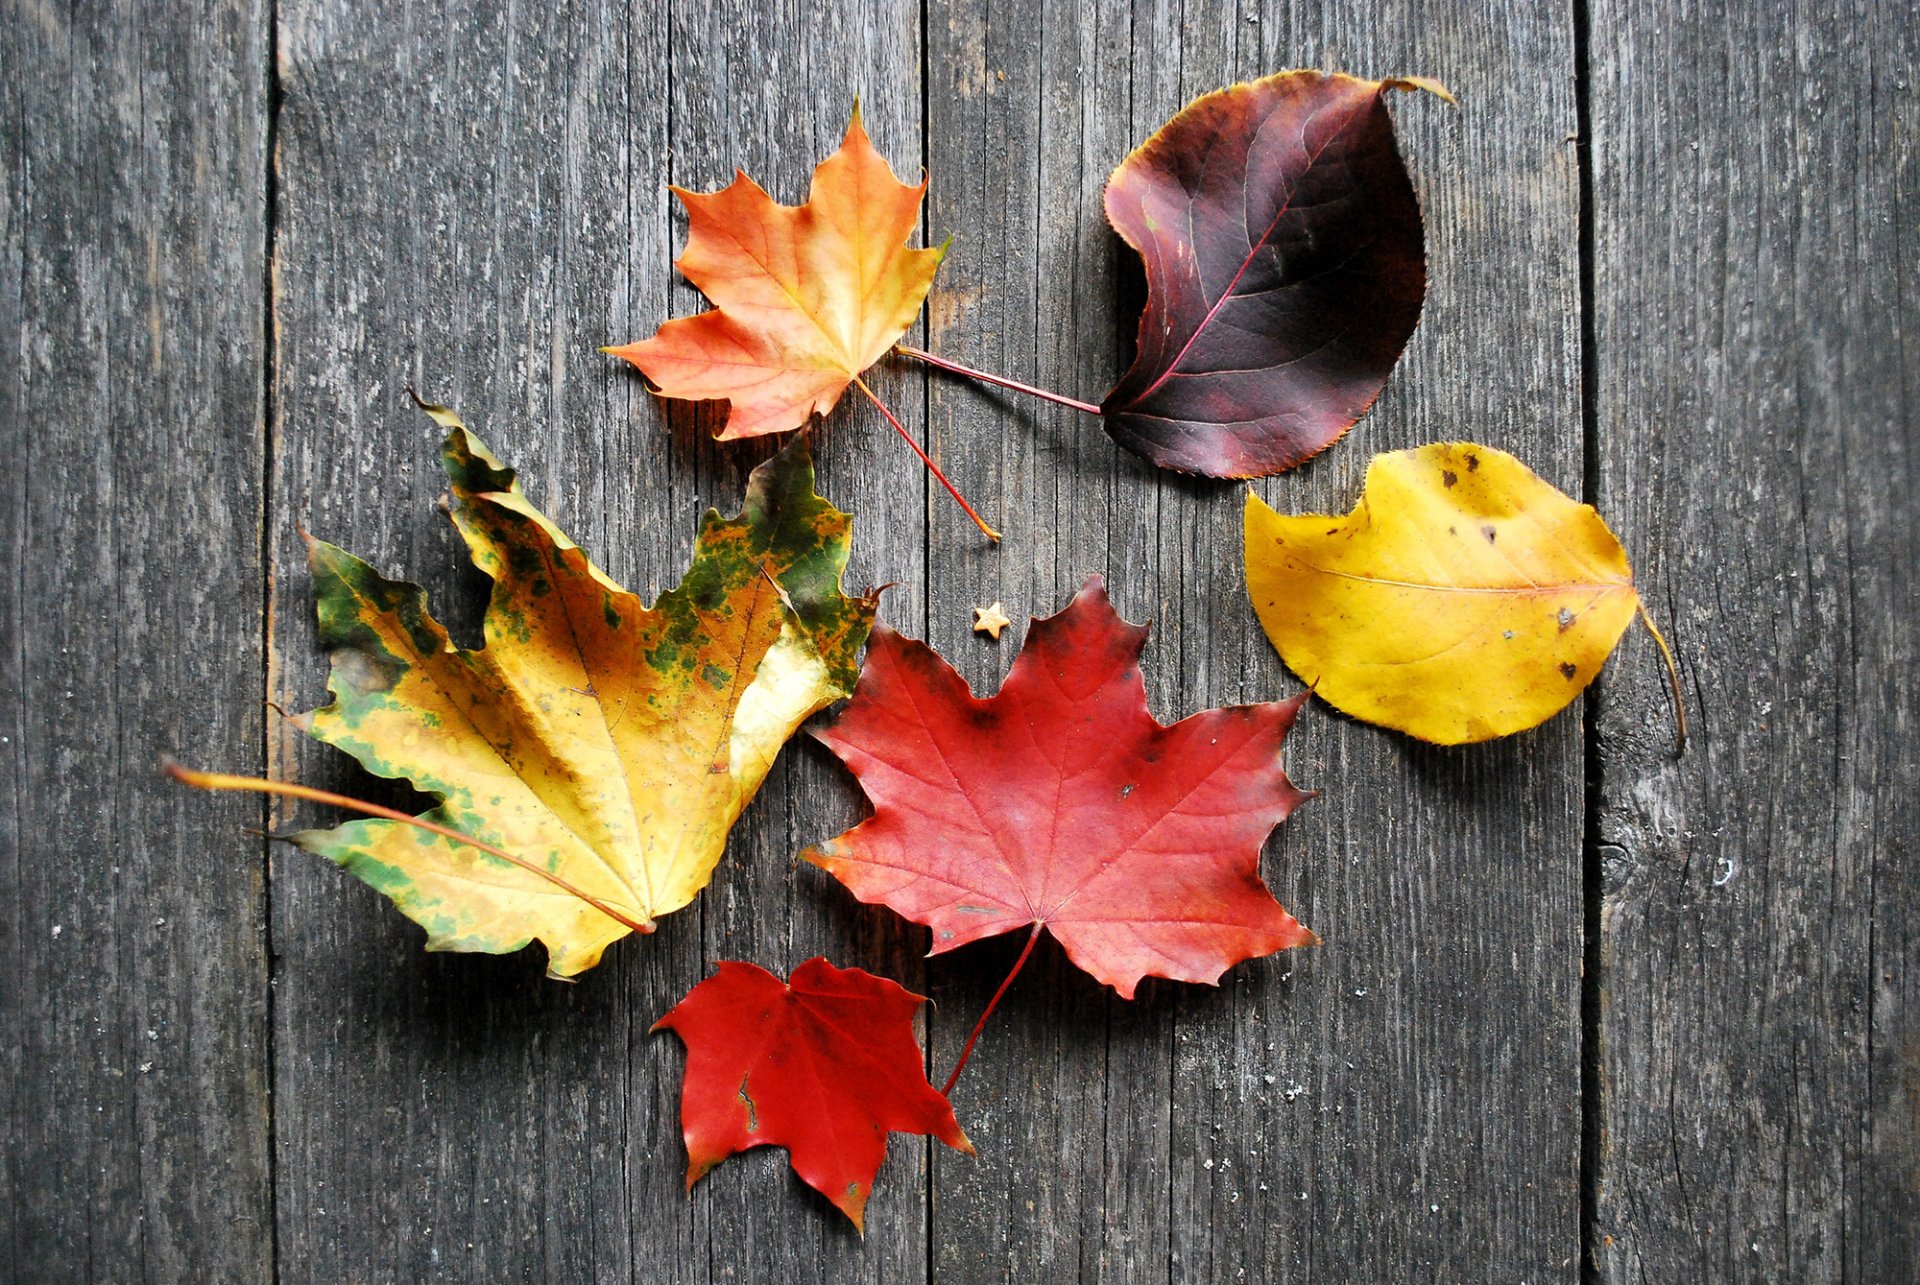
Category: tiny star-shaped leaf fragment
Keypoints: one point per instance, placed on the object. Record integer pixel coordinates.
(990, 620)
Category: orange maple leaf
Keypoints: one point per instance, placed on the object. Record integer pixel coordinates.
(805, 297)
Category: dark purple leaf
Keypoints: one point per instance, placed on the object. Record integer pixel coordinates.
(1285, 272)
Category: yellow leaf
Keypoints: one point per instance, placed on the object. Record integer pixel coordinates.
(1462, 599)
(602, 748)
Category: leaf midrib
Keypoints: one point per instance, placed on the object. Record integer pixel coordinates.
(1602, 587)
(1253, 251)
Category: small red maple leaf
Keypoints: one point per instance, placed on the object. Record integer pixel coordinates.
(1062, 803)
(825, 1065)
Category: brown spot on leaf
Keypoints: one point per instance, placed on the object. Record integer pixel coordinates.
(1568, 670)
(1449, 478)
(1473, 463)
(753, 1111)
(1489, 532)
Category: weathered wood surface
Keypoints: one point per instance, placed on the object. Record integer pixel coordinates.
(133, 968)
(1309, 1118)
(471, 198)
(1758, 376)
(456, 212)
(474, 205)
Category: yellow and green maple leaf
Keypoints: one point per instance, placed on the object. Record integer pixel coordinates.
(607, 745)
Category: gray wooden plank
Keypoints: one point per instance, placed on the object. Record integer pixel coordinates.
(472, 200)
(505, 274)
(1754, 171)
(134, 999)
(770, 91)
(1423, 1111)
(1436, 1035)
(1066, 1098)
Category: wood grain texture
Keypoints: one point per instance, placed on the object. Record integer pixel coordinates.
(1069, 1181)
(474, 203)
(1313, 1117)
(133, 969)
(471, 200)
(1758, 373)
(770, 91)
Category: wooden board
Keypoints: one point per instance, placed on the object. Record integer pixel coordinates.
(771, 92)
(1757, 377)
(470, 202)
(1311, 1117)
(238, 1064)
(474, 205)
(133, 968)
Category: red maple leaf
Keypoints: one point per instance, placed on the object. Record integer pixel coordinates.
(1061, 803)
(825, 1065)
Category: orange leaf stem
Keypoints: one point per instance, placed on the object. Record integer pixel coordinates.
(287, 789)
(942, 363)
(932, 468)
(967, 1052)
(1673, 680)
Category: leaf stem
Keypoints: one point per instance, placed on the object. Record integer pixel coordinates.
(259, 785)
(967, 1052)
(1060, 399)
(932, 468)
(1673, 680)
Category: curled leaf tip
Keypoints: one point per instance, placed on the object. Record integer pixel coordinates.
(444, 416)
(1411, 83)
